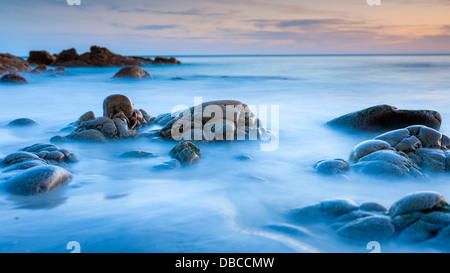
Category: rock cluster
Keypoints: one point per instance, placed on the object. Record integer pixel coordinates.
(97, 56)
(119, 121)
(12, 64)
(418, 217)
(36, 169)
(404, 152)
(386, 117)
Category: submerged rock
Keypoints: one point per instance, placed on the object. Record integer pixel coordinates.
(132, 72)
(378, 228)
(37, 180)
(331, 167)
(137, 154)
(22, 122)
(386, 117)
(420, 201)
(186, 153)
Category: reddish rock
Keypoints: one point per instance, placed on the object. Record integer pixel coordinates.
(13, 78)
(40, 57)
(132, 72)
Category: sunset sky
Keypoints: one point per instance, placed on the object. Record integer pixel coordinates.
(185, 27)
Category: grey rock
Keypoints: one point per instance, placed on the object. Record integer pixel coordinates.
(90, 135)
(137, 154)
(37, 180)
(19, 157)
(394, 137)
(419, 231)
(432, 159)
(402, 221)
(373, 207)
(327, 210)
(23, 122)
(367, 147)
(409, 144)
(419, 201)
(372, 228)
(331, 167)
(24, 165)
(168, 165)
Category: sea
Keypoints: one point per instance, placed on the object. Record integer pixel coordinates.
(222, 203)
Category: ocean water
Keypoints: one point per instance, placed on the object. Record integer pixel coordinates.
(220, 204)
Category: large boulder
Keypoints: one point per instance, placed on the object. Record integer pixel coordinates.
(386, 117)
(212, 121)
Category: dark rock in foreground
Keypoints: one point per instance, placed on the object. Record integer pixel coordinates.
(13, 78)
(40, 57)
(35, 169)
(418, 217)
(132, 72)
(386, 117)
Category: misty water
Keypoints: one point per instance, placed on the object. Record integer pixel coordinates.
(221, 204)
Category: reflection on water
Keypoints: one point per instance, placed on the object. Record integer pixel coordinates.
(222, 204)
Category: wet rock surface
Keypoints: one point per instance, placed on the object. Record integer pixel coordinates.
(386, 117)
(12, 64)
(416, 218)
(407, 152)
(37, 169)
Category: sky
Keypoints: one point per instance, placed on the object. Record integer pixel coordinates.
(208, 27)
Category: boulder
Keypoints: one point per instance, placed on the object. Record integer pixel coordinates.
(419, 201)
(12, 64)
(386, 117)
(162, 60)
(40, 57)
(132, 72)
(37, 180)
(325, 210)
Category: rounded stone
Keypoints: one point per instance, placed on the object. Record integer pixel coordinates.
(22, 122)
(37, 180)
(372, 228)
(132, 72)
(419, 201)
(331, 167)
(367, 147)
(89, 135)
(19, 157)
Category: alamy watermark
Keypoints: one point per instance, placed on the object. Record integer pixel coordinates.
(73, 2)
(374, 2)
